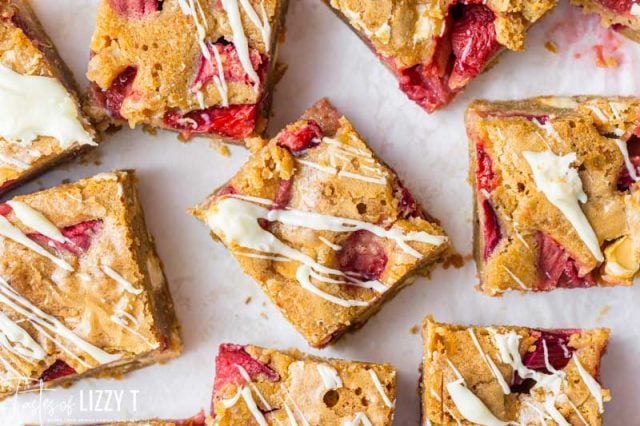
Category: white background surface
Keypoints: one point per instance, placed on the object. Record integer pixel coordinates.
(429, 153)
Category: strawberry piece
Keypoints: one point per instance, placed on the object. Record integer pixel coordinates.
(283, 196)
(227, 190)
(363, 254)
(229, 358)
(491, 229)
(9, 185)
(235, 121)
(473, 42)
(407, 205)
(231, 65)
(557, 268)
(114, 96)
(5, 209)
(298, 138)
(424, 85)
(79, 236)
(618, 6)
(485, 177)
(559, 352)
(135, 8)
(56, 370)
(633, 146)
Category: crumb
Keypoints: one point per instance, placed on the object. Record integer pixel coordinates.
(551, 46)
(456, 260)
(414, 329)
(604, 60)
(602, 313)
(247, 300)
(220, 147)
(66, 181)
(150, 130)
(90, 157)
(263, 315)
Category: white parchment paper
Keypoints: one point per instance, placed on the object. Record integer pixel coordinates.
(429, 152)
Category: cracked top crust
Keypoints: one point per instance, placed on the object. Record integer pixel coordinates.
(592, 129)
(338, 176)
(99, 289)
(453, 352)
(312, 390)
(408, 30)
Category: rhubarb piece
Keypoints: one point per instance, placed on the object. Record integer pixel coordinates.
(511, 375)
(329, 232)
(42, 123)
(190, 67)
(554, 184)
(80, 269)
(436, 48)
(230, 357)
(622, 15)
(307, 390)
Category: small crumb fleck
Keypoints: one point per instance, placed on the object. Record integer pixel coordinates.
(602, 313)
(263, 315)
(414, 329)
(220, 147)
(456, 260)
(66, 181)
(551, 46)
(247, 300)
(604, 60)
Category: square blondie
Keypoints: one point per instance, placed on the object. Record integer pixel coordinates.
(556, 199)
(505, 375)
(82, 291)
(262, 386)
(327, 230)
(199, 67)
(41, 121)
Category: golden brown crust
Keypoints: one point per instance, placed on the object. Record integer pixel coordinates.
(133, 321)
(408, 30)
(26, 49)
(301, 389)
(587, 126)
(447, 344)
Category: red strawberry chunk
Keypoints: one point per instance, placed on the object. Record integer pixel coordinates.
(363, 254)
(197, 420)
(231, 65)
(484, 170)
(558, 351)
(619, 6)
(56, 370)
(79, 236)
(229, 358)
(5, 209)
(424, 85)
(557, 268)
(491, 229)
(300, 138)
(120, 88)
(235, 121)
(135, 8)
(227, 190)
(473, 41)
(407, 205)
(283, 196)
(633, 146)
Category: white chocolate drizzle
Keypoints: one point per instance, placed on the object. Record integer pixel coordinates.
(329, 244)
(381, 391)
(635, 9)
(16, 163)
(219, 80)
(10, 231)
(359, 419)
(33, 106)
(126, 285)
(123, 319)
(515, 278)
(334, 171)
(193, 8)
(9, 297)
(492, 366)
(290, 416)
(261, 23)
(330, 377)
(590, 382)
(247, 378)
(468, 404)
(36, 221)
(16, 340)
(624, 150)
(245, 393)
(549, 129)
(600, 115)
(240, 40)
(561, 184)
(236, 221)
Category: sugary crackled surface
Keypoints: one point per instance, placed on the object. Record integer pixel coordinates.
(524, 240)
(26, 50)
(556, 388)
(99, 289)
(343, 264)
(287, 385)
(150, 59)
(623, 15)
(429, 152)
(408, 31)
